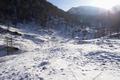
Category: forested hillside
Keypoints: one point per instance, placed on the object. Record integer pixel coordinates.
(49, 16)
(31, 10)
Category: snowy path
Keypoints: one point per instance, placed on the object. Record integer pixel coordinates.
(54, 59)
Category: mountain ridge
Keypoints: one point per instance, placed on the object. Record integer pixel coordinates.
(31, 10)
(87, 10)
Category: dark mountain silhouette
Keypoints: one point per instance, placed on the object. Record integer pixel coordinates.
(87, 10)
(30, 10)
(91, 15)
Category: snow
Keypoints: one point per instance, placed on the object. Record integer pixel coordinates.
(53, 57)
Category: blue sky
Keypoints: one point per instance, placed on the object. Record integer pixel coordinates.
(67, 4)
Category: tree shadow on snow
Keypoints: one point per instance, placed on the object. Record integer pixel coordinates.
(5, 51)
(103, 56)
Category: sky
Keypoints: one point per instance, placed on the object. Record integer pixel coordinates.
(67, 4)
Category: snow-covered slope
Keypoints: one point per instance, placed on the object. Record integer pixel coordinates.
(48, 56)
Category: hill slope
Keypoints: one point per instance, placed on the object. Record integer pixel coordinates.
(87, 10)
(30, 10)
(52, 57)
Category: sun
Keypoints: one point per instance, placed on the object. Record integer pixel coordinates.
(106, 4)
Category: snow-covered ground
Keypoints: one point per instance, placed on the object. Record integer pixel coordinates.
(51, 57)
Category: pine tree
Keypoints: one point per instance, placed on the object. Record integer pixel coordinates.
(8, 37)
(9, 41)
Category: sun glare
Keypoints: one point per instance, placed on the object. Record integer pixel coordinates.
(106, 4)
